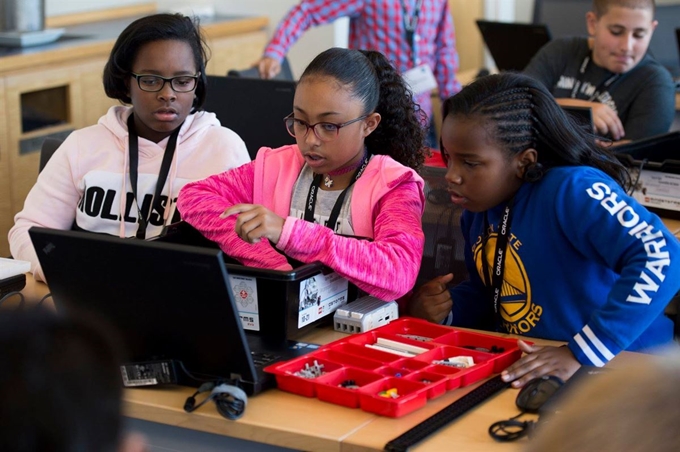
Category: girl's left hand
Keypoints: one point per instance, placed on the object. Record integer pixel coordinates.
(539, 361)
(255, 222)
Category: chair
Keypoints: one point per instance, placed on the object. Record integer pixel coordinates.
(444, 243)
(47, 149)
(252, 72)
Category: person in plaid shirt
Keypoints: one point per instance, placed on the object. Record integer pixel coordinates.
(410, 33)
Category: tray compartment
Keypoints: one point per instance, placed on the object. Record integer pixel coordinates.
(412, 395)
(482, 367)
(329, 387)
(437, 384)
(504, 351)
(288, 381)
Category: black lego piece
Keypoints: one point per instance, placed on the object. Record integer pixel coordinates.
(446, 415)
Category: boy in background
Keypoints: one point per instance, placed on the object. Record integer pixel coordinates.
(631, 95)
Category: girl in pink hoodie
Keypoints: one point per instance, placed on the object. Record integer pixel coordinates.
(351, 176)
(122, 176)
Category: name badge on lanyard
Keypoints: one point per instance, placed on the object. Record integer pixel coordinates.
(420, 77)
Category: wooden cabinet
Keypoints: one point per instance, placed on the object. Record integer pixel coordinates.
(66, 93)
(6, 217)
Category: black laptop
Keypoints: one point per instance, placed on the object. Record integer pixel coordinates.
(512, 45)
(170, 303)
(253, 108)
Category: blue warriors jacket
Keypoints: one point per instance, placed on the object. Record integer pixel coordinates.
(585, 264)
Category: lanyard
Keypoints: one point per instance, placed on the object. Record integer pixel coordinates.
(133, 144)
(496, 283)
(602, 85)
(410, 24)
(335, 213)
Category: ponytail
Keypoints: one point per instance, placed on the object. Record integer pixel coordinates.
(374, 81)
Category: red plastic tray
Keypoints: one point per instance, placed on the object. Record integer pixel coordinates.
(356, 376)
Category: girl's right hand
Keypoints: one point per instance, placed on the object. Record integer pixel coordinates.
(255, 222)
(432, 301)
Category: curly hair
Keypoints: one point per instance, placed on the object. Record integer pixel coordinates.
(373, 80)
(157, 27)
(522, 114)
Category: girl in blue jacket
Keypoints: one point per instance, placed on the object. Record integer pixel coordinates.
(554, 246)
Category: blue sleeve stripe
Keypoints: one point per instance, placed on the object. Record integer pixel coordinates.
(604, 351)
(590, 354)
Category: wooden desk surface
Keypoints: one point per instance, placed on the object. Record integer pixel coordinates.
(288, 420)
(673, 226)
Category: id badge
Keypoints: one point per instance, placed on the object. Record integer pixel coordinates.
(420, 79)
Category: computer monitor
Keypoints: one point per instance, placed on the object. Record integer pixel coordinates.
(512, 45)
(253, 108)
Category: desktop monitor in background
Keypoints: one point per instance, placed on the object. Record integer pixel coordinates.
(512, 45)
(253, 108)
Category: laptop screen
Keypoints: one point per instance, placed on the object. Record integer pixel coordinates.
(253, 108)
(512, 45)
(167, 301)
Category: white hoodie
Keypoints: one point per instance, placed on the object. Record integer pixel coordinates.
(83, 180)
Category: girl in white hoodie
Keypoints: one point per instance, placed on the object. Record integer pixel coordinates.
(122, 176)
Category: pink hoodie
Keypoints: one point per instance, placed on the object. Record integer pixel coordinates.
(83, 181)
(387, 205)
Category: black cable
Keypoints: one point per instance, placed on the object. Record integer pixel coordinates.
(511, 429)
(230, 400)
(16, 293)
(42, 300)
(637, 179)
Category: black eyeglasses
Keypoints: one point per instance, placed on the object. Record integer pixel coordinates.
(155, 83)
(324, 131)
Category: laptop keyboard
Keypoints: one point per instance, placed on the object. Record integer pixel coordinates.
(261, 359)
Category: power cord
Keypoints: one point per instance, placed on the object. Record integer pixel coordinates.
(637, 178)
(230, 400)
(16, 293)
(511, 429)
(42, 300)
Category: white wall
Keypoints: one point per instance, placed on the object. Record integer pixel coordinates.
(59, 7)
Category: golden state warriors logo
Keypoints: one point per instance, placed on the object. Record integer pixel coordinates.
(517, 310)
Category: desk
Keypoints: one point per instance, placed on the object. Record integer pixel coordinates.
(672, 225)
(279, 418)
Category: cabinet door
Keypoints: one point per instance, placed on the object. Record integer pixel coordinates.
(38, 103)
(235, 52)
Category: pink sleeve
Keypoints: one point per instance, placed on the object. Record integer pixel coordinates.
(201, 203)
(387, 266)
